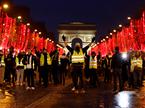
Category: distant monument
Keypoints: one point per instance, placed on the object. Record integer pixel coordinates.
(76, 32)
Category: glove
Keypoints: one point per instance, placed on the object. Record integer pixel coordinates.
(63, 38)
(93, 39)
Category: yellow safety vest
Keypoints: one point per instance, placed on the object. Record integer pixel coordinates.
(132, 62)
(139, 62)
(17, 62)
(136, 62)
(93, 63)
(2, 61)
(49, 61)
(78, 57)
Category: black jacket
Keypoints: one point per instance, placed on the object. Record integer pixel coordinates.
(26, 60)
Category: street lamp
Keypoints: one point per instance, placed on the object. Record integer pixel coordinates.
(114, 31)
(5, 6)
(40, 33)
(19, 17)
(120, 25)
(111, 34)
(35, 30)
(129, 18)
(28, 24)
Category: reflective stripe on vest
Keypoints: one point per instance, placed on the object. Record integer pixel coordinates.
(139, 62)
(49, 62)
(3, 61)
(17, 62)
(93, 63)
(78, 57)
(30, 66)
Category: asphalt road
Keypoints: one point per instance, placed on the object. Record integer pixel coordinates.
(62, 97)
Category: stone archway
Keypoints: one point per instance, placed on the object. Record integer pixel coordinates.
(76, 40)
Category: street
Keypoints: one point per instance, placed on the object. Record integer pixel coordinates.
(62, 97)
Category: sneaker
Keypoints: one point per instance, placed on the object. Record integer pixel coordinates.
(21, 84)
(17, 84)
(28, 88)
(76, 91)
(73, 89)
(33, 88)
(83, 91)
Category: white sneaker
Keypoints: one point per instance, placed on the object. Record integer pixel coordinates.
(21, 84)
(33, 88)
(17, 84)
(83, 91)
(76, 91)
(73, 89)
(28, 88)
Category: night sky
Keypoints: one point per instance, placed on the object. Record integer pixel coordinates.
(106, 14)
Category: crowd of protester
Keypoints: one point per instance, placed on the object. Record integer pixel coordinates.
(121, 70)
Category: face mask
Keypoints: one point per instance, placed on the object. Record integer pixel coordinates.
(77, 48)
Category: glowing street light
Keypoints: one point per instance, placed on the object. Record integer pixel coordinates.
(5, 6)
(129, 18)
(111, 34)
(120, 25)
(48, 39)
(114, 31)
(35, 30)
(40, 33)
(107, 37)
(28, 24)
(19, 17)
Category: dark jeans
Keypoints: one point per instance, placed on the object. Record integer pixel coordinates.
(44, 74)
(55, 74)
(93, 77)
(137, 75)
(30, 77)
(106, 75)
(131, 80)
(117, 75)
(63, 73)
(7, 76)
(77, 73)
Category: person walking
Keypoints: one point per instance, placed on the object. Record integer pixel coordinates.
(29, 61)
(19, 69)
(10, 69)
(93, 69)
(63, 68)
(138, 65)
(116, 67)
(55, 66)
(45, 63)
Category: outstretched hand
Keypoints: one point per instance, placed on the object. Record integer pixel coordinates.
(63, 38)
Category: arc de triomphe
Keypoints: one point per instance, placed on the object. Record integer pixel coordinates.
(76, 32)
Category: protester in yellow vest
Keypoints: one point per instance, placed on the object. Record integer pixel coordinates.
(45, 62)
(20, 69)
(93, 69)
(78, 64)
(137, 63)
